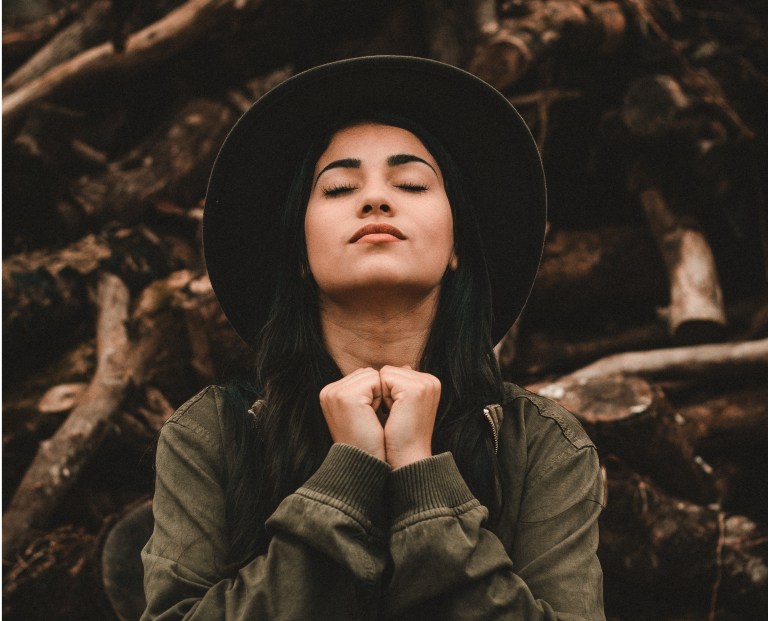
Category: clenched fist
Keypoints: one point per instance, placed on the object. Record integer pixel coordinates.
(412, 398)
(351, 407)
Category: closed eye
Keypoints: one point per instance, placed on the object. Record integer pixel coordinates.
(338, 189)
(413, 187)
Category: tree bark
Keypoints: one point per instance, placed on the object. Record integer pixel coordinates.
(541, 352)
(215, 347)
(152, 45)
(171, 167)
(587, 275)
(91, 28)
(701, 362)
(730, 433)
(456, 28)
(20, 43)
(521, 42)
(45, 292)
(156, 355)
(695, 557)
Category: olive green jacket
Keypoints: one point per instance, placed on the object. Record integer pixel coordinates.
(335, 555)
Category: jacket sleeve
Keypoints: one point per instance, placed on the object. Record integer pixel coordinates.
(327, 551)
(447, 565)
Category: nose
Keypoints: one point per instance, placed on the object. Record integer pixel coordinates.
(375, 198)
(374, 206)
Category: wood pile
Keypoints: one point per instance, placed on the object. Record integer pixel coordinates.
(649, 318)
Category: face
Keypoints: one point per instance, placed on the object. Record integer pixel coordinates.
(378, 216)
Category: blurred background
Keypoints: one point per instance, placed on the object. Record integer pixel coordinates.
(649, 318)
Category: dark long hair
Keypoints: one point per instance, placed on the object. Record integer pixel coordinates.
(277, 450)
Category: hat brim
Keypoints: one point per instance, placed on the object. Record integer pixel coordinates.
(484, 134)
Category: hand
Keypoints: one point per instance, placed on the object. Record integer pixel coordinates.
(412, 398)
(349, 407)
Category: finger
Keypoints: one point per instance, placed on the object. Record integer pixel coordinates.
(399, 381)
(396, 379)
(368, 383)
(386, 389)
(377, 398)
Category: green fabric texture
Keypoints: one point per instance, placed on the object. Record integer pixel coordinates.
(361, 541)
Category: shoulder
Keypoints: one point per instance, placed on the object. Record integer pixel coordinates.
(542, 416)
(557, 462)
(201, 414)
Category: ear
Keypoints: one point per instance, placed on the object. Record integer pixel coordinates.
(453, 262)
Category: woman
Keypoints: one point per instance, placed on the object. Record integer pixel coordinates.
(372, 226)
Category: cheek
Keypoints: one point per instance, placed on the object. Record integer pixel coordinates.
(320, 235)
(444, 230)
(313, 234)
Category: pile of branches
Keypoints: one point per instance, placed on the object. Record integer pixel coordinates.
(649, 318)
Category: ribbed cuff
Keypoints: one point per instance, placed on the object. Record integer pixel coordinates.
(353, 477)
(431, 483)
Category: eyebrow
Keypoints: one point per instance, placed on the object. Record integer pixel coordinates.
(349, 162)
(393, 160)
(406, 158)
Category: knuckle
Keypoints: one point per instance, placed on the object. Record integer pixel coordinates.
(328, 393)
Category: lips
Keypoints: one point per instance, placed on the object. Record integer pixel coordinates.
(376, 228)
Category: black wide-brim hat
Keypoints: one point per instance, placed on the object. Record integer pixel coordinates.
(487, 138)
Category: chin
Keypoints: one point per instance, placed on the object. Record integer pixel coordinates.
(382, 284)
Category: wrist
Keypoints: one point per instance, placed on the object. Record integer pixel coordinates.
(399, 459)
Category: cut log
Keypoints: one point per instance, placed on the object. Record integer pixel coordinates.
(661, 554)
(61, 459)
(696, 312)
(629, 418)
(171, 167)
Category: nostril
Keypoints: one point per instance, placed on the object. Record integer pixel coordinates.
(367, 208)
(384, 208)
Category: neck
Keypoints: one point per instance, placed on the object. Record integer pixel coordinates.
(377, 330)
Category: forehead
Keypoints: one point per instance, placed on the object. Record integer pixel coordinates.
(372, 140)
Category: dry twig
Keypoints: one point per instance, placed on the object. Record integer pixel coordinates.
(60, 460)
(151, 45)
